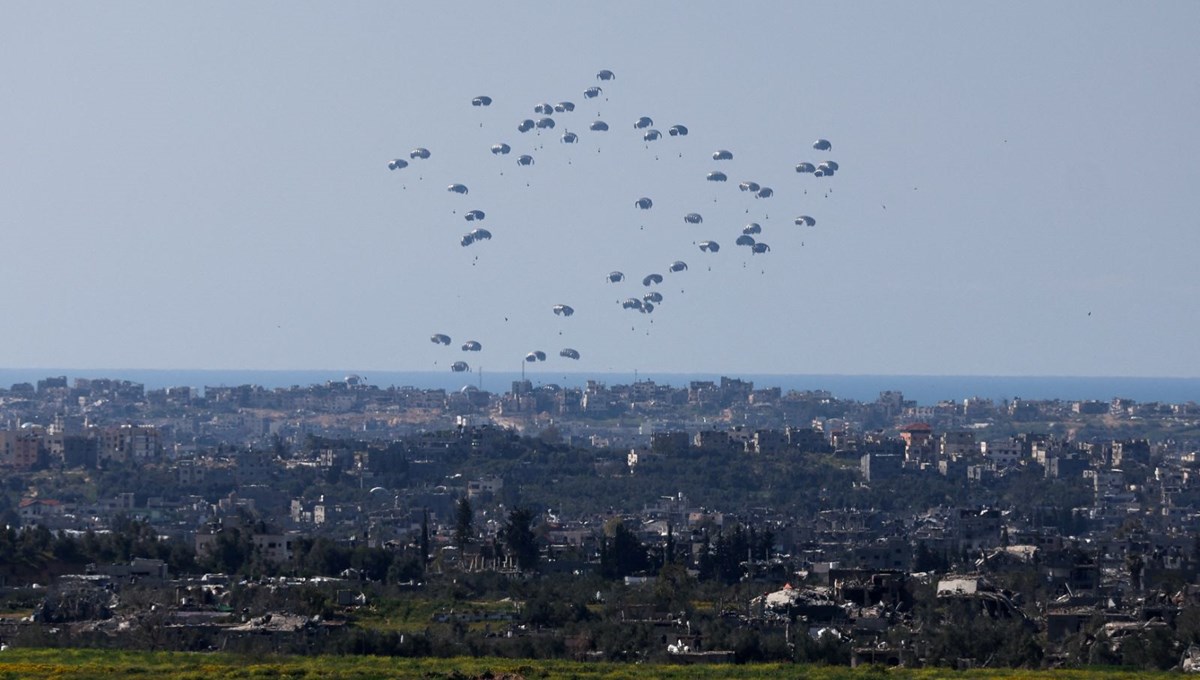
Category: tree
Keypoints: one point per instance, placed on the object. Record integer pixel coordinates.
(622, 554)
(519, 538)
(464, 522)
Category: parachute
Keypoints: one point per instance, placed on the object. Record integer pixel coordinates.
(644, 203)
(615, 277)
(822, 145)
(716, 176)
(598, 126)
(647, 307)
(592, 92)
(564, 310)
(501, 148)
(806, 167)
(710, 246)
(471, 346)
(805, 221)
(744, 240)
(526, 125)
(467, 239)
(457, 188)
(765, 192)
(536, 355)
(480, 234)
(722, 155)
(474, 215)
(760, 248)
(419, 152)
(564, 107)
(544, 109)
(440, 339)
(653, 296)
(752, 228)
(652, 279)
(632, 303)
(482, 100)
(693, 218)
(830, 165)
(460, 367)
(643, 122)
(569, 138)
(749, 186)
(397, 163)
(606, 75)
(678, 266)
(677, 131)
(569, 353)
(545, 124)
(525, 159)
(651, 135)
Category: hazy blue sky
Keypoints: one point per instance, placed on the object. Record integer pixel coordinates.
(204, 185)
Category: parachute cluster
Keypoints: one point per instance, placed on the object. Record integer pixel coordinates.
(574, 130)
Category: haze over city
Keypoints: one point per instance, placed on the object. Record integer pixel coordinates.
(206, 186)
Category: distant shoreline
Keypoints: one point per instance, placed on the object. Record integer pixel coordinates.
(925, 390)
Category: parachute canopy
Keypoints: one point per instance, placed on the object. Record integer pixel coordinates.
(482, 100)
(693, 218)
(480, 234)
(749, 186)
(760, 248)
(525, 159)
(643, 122)
(545, 124)
(569, 138)
(722, 155)
(564, 310)
(677, 131)
(440, 339)
(501, 148)
(678, 266)
(526, 125)
(536, 355)
(471, 346)
(592, 92)
(822, 145)
(805, 221)
(615, 277)
(651, 135)
(544, 109)
(460, 367)
(652, 279)
(653, 296)
(598, 126)
(569, 353)
(805, 167)
(752, 228)
(419, 152)
(716, 176)
(765, 192)
(605, 74)
(457, 188)
(644, 203)
(564, 107)
(744, 240)
(397, 163)
(474, 215)
(710, 246)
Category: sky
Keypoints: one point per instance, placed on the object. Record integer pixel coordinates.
(205, 186)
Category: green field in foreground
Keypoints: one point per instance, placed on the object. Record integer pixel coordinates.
(89, 663)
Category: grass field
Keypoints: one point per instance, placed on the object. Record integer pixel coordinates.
(77, 664)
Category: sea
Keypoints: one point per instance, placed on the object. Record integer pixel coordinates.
(924, 389)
